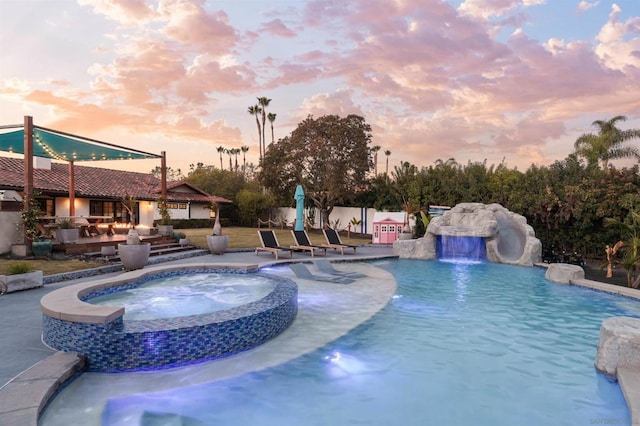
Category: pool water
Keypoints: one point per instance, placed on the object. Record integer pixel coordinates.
(474, 344)
(187, 294)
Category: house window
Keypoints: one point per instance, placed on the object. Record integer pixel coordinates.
(376, 232)
(384, 229)
(392, 228)
(115, 209)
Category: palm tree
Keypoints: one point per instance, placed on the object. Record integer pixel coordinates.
(244, 150)
(608, 143)
(271, 117)
(255, 111)
(220, 150)
(387, 153)
(229, 152)
(375, 150)
(264, 103)
(236, 152)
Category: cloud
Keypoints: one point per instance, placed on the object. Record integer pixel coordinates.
(619, 42)
(126, 12)
(585, 5)
(277, 28)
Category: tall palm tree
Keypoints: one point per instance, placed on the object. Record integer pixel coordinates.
(271, 117)
(244, 150)
(387, 153)
(236, 152)
(264, 103)
(608, 144)
(255, 111)
(220, 150)
(375, 150)
(229, 152)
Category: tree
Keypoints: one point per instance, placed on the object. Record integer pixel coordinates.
(264, 103)
(375, 150)
(244, 150)
(329, 156)
(387, 153)
(220, 150)
(608, 144)
(172, 174)
(229, 152)
(272, 117)
(255, 111)
(630, 230)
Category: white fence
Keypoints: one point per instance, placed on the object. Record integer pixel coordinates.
(340, 218)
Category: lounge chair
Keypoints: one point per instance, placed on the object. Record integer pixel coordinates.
(333, 241)
(302, 243)
(302, 272)
(269, 243)
(325, 267)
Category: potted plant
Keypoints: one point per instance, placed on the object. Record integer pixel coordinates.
(28, 226)
(66, 231)
(20, 276)
(164, 224)
(181, 238)
(216, 241)
(134, 254)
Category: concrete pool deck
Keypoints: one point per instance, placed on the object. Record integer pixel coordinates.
(26, 390)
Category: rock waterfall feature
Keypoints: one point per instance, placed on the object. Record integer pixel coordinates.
(507, 236)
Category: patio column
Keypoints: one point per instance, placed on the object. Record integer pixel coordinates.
(28, 157)
(163, 167)
(72, 191)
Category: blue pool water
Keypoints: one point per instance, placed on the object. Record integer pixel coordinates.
(186, 294)
(475, 344)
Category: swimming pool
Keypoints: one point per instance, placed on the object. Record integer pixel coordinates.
(458, 344)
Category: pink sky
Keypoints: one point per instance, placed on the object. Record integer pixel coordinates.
(472, 80)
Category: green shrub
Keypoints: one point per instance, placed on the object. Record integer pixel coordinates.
(18, 268)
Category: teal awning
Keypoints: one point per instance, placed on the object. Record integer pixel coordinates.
(66, 147)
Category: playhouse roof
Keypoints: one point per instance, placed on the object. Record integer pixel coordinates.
(397, 217)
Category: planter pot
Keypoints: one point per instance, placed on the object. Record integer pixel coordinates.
(165, 230)
(41, 248)
(67, 236)
(134, 256)
(184, 241)
(405, 236)
(11, 283)
(217, 243)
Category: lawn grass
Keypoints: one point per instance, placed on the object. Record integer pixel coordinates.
(239, 238)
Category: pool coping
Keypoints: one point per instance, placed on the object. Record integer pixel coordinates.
(65, 303)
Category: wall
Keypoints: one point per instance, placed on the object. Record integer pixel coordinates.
(343, 214)
(9, 230)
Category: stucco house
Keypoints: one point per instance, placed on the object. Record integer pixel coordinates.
(100, 192)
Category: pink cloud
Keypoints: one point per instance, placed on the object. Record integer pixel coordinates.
(277, 28)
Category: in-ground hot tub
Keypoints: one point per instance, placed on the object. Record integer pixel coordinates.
(112, 343)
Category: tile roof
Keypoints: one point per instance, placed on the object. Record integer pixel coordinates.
(94, 182)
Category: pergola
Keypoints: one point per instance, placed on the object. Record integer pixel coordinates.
(31, 140)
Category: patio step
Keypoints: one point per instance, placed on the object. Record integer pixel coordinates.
(156, 250)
